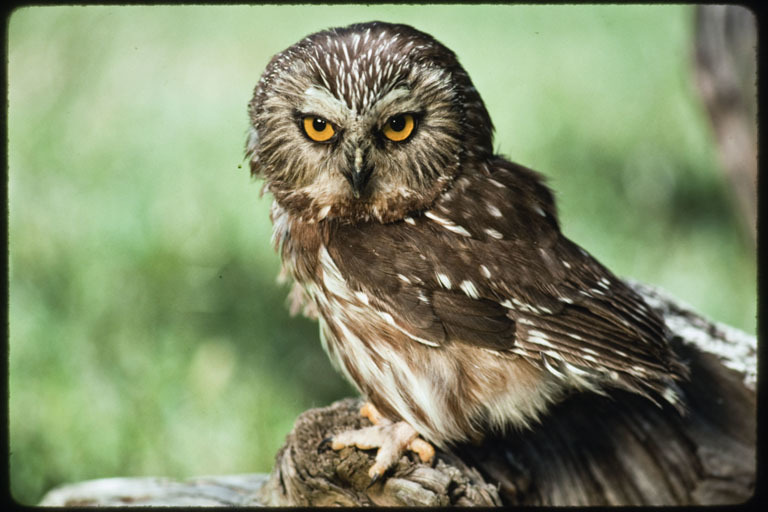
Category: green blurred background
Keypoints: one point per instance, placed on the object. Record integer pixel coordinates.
(148, 335)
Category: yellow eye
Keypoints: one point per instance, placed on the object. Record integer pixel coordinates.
(318, 129)
(399, 127)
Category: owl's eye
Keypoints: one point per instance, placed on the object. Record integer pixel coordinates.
(317, 128)
(399, 127)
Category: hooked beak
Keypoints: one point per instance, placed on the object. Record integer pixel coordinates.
(360, 175)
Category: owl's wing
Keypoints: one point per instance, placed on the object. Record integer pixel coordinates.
(489, 267)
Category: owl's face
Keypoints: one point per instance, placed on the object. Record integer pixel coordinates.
(367, 122)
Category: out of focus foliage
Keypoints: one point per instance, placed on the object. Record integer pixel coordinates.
(147, 333)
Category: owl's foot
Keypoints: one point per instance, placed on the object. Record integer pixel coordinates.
(391, 439)
(420, 447)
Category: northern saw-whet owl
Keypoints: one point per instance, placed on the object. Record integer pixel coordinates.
(444, 289)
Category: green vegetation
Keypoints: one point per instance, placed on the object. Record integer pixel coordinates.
(147, 333)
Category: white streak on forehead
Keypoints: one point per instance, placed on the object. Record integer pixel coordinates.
(319, 100)
(399, 96)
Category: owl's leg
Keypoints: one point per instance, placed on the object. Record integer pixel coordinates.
(391, 439)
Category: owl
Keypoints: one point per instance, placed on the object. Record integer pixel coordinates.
(442, 284)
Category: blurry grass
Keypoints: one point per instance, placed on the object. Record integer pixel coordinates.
(147, 334)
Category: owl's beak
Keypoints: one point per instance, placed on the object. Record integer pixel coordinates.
(360, 175)
(359, 179)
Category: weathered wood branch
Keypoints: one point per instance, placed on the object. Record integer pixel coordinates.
(591, 449)
(210, 491)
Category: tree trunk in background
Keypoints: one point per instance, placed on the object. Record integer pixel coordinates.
(590, 450)
(726, 77)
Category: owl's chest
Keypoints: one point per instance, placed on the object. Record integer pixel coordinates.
(353, 332)
(402, 378)
(445, 389)
(362, 340)
(305, 257)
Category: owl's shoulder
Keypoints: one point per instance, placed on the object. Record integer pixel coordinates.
(507, 195)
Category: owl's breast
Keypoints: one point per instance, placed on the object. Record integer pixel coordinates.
(406, 380)
(380, 329)
(446, 392)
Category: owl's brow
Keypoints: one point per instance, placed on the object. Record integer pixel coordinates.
(320, 100)
(395, 95)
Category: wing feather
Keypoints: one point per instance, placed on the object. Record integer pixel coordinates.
(491, 269)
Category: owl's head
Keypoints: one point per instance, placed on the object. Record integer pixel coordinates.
(366, 122)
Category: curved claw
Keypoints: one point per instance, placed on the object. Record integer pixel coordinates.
(375, 478)
(325, 444)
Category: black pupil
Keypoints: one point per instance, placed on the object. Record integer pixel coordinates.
(397, 123)
(319, 124)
